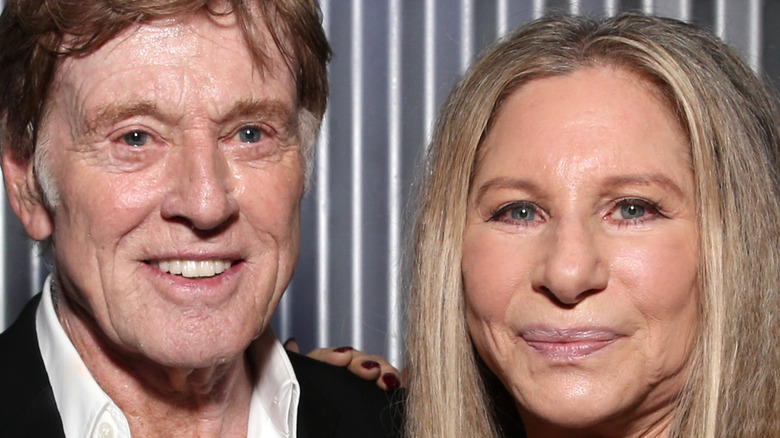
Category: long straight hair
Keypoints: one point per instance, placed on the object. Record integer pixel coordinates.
(731, 122)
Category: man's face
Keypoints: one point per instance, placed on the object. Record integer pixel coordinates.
(179, 180)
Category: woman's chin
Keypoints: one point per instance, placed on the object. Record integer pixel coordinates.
(566, 417)
(569, 405)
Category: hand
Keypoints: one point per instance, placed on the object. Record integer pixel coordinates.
(365, 366)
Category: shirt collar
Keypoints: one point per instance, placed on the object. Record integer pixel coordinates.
(276, 390)
(84, 407)
(87, 411)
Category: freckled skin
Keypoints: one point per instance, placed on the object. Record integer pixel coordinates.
(192, 189)
(604, 241)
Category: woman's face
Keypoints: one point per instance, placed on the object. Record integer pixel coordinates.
(580, 254)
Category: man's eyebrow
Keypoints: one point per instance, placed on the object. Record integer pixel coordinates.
(116, 111)
(266, 109)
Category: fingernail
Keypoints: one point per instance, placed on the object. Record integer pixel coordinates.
(370, 364)
(391, 381)
(343, 349)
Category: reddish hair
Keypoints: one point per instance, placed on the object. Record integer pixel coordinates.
(36, 34)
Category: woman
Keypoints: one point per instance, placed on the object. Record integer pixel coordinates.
(597, 240)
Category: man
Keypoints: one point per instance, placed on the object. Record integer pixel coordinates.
(160, 148)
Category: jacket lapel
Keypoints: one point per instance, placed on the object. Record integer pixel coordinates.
(30, 410)
(315, 420)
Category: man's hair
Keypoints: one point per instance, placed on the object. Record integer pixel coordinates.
(731, 124)
(35, 35)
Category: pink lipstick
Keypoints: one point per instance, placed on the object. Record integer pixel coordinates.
(568, 344)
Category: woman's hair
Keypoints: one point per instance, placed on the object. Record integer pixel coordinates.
(35, 35)
(731, 124)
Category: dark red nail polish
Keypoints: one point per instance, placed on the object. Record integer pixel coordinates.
(391, 381)
(343, 349)
(370, 364)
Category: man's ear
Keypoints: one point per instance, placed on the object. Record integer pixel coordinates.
(24, 195)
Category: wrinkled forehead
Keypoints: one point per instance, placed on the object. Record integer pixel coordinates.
(166, 40)
(191, 62)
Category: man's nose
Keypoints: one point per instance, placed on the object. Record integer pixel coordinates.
(203, 189)
(571, 267)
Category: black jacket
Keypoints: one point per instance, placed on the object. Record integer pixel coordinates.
(334, 402)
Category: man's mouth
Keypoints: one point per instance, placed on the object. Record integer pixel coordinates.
(192, 268)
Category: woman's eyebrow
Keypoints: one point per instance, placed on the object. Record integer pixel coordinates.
(503, 182)
(643, 179)
(610, 183)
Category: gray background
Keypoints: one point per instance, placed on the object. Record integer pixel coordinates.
(395, 61)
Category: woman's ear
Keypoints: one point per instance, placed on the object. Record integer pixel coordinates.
(24, 195)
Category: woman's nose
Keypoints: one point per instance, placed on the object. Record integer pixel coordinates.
(202, 195)
(572, 267)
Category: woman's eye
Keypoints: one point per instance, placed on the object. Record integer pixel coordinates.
(135, 138)
(250, 134)
(516, 212)
(522, 213)
(632, 211)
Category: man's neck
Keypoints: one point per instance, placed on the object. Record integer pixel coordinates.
(205, 402)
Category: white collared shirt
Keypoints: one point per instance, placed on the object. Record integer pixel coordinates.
(88, 412)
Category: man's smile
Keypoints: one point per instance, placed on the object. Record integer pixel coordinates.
(192, 268)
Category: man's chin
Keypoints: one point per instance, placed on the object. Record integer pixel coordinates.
(200, 357)
(197, 349)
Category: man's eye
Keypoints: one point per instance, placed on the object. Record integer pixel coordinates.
(632, 211)
(250, 134)
(135, 138)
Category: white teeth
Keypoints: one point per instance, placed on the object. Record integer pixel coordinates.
(206, 268)
(189, 268)
(193, 268)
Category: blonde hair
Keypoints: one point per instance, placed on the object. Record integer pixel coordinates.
(731, 122)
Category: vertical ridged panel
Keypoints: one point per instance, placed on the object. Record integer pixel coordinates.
(394, 189)
(323, 216)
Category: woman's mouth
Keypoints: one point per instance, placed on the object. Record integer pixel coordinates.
(568, 344)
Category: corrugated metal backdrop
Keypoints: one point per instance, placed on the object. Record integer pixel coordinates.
(394, 62)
